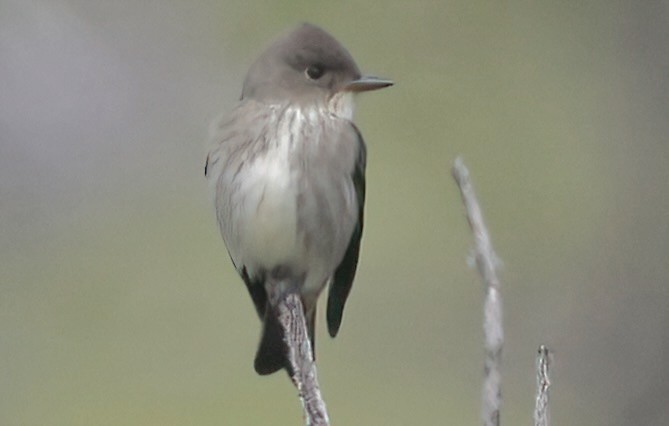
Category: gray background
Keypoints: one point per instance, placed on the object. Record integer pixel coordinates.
(118, 304)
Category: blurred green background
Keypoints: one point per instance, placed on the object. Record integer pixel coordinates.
(119, 306)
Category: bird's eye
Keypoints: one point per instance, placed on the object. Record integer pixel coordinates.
(314, 72)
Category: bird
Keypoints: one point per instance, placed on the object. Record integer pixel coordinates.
(286, 171)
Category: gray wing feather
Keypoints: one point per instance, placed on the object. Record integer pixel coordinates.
(342, 281)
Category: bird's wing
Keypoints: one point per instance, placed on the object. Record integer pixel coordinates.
(229, 135)
(256, 291)
(345, 272)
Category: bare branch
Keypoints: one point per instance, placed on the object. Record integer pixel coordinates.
(486, 262)
(541, 414)
(291, 317)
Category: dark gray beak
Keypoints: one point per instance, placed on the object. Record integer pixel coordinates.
(367, 83)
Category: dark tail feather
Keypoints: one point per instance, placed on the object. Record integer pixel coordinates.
(311, 329)
(272, 352)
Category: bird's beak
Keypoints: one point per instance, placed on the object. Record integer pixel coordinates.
(367, 83)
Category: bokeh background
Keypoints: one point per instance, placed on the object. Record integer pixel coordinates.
(118, 304)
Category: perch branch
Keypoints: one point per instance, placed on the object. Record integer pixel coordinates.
(291, 317)
(486, 262)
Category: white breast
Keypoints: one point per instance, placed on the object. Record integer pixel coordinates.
(268, 223)
(261, 188)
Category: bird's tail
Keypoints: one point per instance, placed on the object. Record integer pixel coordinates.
(272, 352)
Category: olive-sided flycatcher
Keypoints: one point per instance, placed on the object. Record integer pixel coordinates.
(287, 174)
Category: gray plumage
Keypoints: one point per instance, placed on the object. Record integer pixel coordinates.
(286, 170)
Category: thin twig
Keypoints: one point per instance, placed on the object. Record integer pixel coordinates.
(486, 262)
(541, 414)
(291, 317)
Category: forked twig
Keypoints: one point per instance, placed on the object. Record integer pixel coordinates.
(541, 414)
(486, 262)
